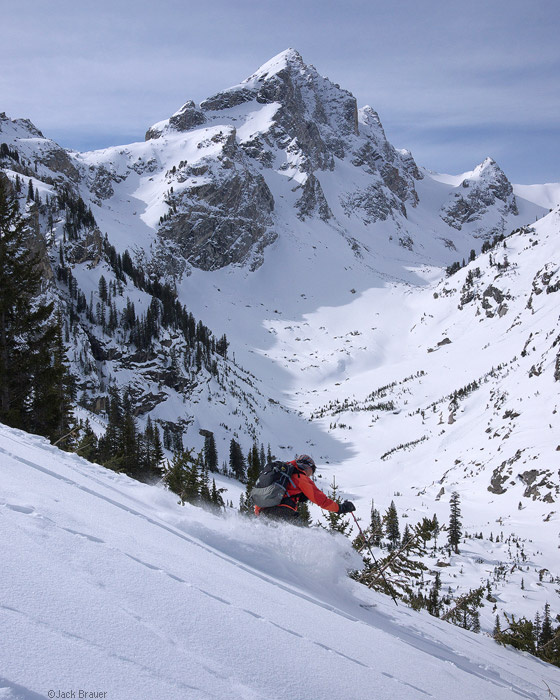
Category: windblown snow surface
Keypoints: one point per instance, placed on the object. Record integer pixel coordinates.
(110, 589)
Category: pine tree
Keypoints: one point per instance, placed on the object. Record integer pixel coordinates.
(157, 452)
(128, 439)
(546, 631)
(216, 495)
(204, 480)
(375, 530)
(54, 390)
(87, 443)
(109, 444)
(497, 631)
(182, 476)
(433, 604)
(35, 388)
(150, 451)
(406, 565)
(391, 522)
(210, 452)
(335, 521)
(520, 634)
(102, 288)
(245, 505)
(464, 613)
(236, 460)
(222, 346)
(253, 467)
(454, 533)
(175, 476)
(304, 514)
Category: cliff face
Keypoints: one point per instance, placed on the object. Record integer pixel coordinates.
(486, 187)
(285, 123)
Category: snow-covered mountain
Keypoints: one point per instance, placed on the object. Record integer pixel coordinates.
(110, 589)
(281, 216)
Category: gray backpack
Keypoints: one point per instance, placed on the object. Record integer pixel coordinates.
(272, 484)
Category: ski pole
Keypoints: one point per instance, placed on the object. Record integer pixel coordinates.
(375, 560)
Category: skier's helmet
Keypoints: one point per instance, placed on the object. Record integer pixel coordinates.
(306, 462)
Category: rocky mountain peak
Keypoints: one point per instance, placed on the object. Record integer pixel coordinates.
(485, 188)
(18, 128)
(319, 114)
(290, 60)
(285, 117)
(28, 144)
(186, 118)
(488, 171)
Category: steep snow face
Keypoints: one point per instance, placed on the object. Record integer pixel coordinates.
(450, 388)
(109, 587)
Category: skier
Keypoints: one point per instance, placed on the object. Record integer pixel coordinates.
(300, 490)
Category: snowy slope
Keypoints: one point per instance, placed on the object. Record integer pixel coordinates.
(336, 294)
(109, 587)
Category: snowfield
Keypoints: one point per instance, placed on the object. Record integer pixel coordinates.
(110, 589)
(347, 341)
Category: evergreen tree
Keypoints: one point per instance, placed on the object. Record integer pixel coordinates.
(102, 287)
(216, 495)
(53, 390)
(222, 346)
(204, 483)
(210, 452)
(375, 526)
(157, 452)
(128, 439)
(175, 476)
(150, 451)
(546, 631)
(465, 611)
(245, 505)
(454, 533)
(391, 522)
(236, 460)
(497, 631)
(433, 604)
(519, 634)
(109, 444)
(336, 522)
(253, 467)
(87, 443)
(304, 514)
(182, 476)
(35, 387)
(405, 564)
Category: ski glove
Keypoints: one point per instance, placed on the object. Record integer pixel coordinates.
(346, 507)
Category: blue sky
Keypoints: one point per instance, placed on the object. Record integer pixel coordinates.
(452, 81)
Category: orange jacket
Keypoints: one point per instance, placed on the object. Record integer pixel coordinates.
(304, 485)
